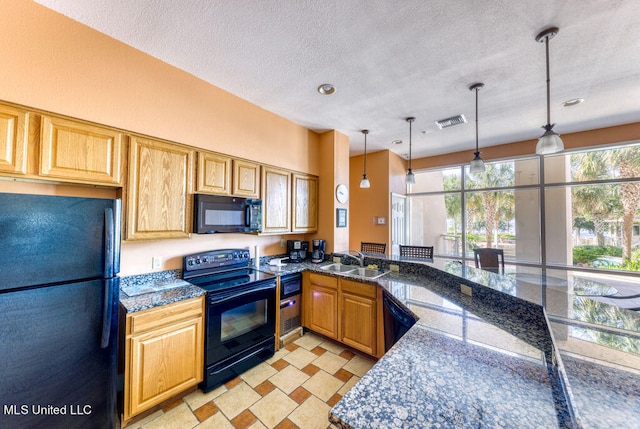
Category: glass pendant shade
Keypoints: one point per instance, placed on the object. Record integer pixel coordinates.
(410, 178)
(477, 165)
(549, 142)
(364, 183)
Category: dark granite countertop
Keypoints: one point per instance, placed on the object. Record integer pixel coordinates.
(145, 291)
(494, 359)
(518, 353)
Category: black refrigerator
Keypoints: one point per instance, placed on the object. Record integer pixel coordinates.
(59, 300)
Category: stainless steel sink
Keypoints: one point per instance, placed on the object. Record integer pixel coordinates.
(354, 271)
(367, 272)
(338, 268)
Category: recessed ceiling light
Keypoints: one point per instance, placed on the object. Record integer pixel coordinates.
(326, 89)
(396, 142)
(573, 102)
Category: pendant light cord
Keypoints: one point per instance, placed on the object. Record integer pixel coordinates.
(477, 88)
(410, 121)
(546, 42)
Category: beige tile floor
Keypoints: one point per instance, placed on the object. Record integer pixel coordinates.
(296, 388)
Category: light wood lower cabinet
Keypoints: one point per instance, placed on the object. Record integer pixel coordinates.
(320, 304)
(358, 311)
(164, 353)
(344, 310)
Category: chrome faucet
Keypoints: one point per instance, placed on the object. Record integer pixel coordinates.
(354, 254)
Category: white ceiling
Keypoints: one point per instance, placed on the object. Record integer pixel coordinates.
(393, 59)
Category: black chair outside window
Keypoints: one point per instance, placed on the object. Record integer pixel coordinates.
(418, 252)
(489, 259)
(373, 247)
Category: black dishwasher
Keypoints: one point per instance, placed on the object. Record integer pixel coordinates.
(397, 321)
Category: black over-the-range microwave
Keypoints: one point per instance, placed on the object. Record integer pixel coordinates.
(218, 213)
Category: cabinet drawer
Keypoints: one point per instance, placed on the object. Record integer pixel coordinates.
(357, 288)
(326, 281)
(157, 317)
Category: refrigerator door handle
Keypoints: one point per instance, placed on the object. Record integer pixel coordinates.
(106, 314)
(108, 243)
(108, 273)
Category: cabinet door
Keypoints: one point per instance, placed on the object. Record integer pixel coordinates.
(358, 322)
(159, 200)
(305, 203)
(276, 200)
(323, 308)
(320, 304)
(164, 363)
(14, 134)
(214, 173)
(246, 178)
(78, 152)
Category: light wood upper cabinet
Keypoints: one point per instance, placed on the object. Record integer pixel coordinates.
(246, 178)
(78, 152)
(305, 203)
(164, 353)
(276, 200)
(159, 192)
(14, 135)
(214, 173)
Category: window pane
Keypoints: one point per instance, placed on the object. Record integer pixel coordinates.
(496, 175)
(520, 172)
(599, 232)
(506, 220)
(602, 164)
(438, 180)
(436, 220)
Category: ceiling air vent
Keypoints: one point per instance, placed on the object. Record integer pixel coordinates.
(450, 122)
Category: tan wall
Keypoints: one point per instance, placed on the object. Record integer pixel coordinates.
(53, 63)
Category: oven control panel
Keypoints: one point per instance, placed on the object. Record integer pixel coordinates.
(216, 259)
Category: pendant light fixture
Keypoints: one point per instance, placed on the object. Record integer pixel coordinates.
(477, 165)
(364, 183)
(410, 178)
(549, 142)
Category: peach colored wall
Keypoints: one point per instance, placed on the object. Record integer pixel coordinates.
(53, 63)
(334, 164)
(598, 137)
(386, 172)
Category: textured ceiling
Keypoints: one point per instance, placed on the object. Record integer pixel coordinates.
(393, 59)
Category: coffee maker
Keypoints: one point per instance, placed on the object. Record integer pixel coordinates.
(297, 250)
(317, 254)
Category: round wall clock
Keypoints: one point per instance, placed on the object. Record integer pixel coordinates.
(342, 193)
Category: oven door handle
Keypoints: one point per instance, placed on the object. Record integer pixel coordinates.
(221, 299)
(287, 303)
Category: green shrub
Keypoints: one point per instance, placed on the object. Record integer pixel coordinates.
(587, 254)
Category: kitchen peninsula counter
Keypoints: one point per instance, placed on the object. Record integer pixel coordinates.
(490, 359)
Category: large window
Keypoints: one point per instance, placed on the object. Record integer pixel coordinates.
(575, 209)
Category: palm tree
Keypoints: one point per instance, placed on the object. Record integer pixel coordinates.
(494, 205)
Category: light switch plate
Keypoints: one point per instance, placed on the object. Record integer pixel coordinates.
(382, 220)
(156, 263)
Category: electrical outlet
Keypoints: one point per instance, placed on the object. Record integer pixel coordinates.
(283, 242)
(466, 289)
(156, 262)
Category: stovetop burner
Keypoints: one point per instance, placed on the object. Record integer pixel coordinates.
(218, 270)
